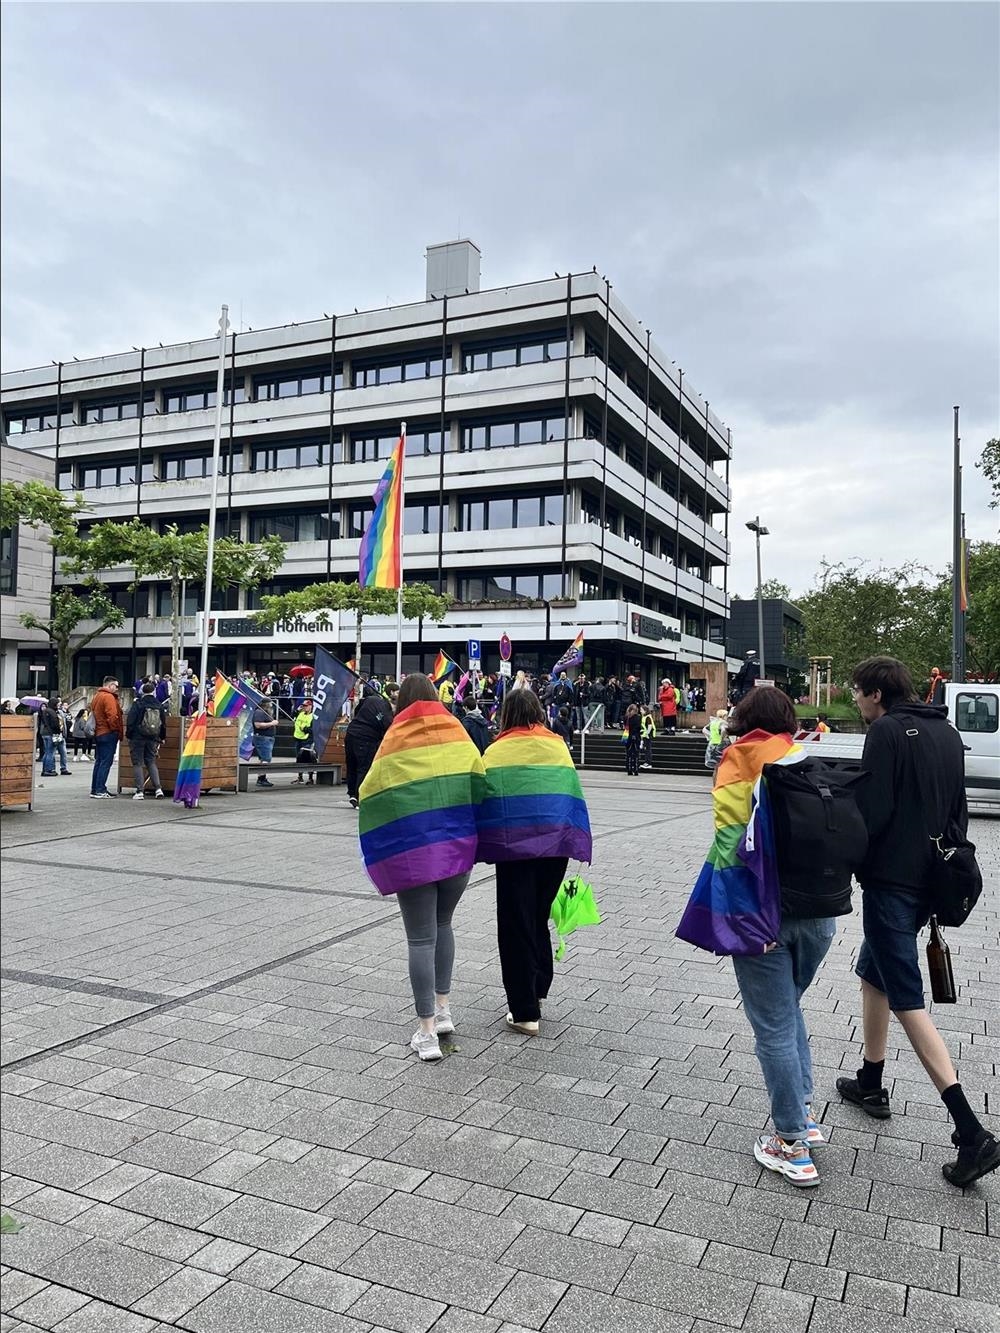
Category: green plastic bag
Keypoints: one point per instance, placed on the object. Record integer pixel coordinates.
(574, 906)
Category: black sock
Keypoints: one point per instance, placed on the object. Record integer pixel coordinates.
(967, 1123)
(870, 1074)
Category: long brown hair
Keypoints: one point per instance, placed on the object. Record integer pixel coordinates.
(521, 708)
(415, 687)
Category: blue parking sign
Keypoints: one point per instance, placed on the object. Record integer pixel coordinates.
(474, 650)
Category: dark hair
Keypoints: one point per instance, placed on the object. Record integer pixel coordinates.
(763, 710)
(415, 688)
(521, 708)
(110, 680)
(149, 688)
(52, 703)
(887, 674)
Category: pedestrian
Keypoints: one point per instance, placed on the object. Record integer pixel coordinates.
(715, 733)
(520, 682)
(302, 729)
(372, 719)
(533, 819)
(632, 736)
(145, 728)
(773, 978)
(265, 724)
(598, 695)
(446, 692)
(109, 729)
(562, 726)
(51, 729)
(417, 821)
(906, 739)
(164, 689)
(613, 693)
(668, 706)
(746, 677)
(821, 723)
(476, 725)
(647, 732)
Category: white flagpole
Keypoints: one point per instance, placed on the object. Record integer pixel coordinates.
(213, 502)
(402, 529)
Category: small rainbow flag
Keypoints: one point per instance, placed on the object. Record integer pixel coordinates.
(442, 665)
(380, 558)
(572, 657)
(227, 700)
(187, 785)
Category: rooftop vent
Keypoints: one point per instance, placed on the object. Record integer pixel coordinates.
(452, 268)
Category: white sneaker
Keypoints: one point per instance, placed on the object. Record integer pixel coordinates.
(426, 1045)
(159, 794)
(138, 796)
(443, 1024)
(528, 1026)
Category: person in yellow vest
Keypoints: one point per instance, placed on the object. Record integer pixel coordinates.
(302, 733)
(716, 735)
(821, 723)
(446, 692)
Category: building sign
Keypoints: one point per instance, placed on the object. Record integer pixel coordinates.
(649, 627)
(314, 626)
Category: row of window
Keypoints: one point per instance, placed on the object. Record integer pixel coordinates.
(515, 352)
(504, 434)
(510, 511)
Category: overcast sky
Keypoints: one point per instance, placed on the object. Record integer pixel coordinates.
(800, 200)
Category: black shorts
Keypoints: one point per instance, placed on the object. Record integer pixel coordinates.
(888, 959)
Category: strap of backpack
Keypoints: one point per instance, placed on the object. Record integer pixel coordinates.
(928, 805)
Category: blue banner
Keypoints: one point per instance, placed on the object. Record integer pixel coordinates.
(332, 683)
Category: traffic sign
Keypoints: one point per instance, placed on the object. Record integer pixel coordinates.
(473, 663)
(505, 668)
(475, 651)
(505, 649)
(764, 684)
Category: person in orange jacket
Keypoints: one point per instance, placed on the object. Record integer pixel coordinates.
(109, 729)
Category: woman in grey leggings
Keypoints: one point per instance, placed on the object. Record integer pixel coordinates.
(427, 913)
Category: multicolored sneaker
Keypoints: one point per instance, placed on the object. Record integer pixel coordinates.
(814, 1134)
(792, 1160)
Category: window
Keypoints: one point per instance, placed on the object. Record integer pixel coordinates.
(527, 350)
(420, 518)
(503, 585)
(612, 518)
(503, 434)
(191, 602)
(191, 398)
(590, 509)
(272, 458)
(423, 442)
(976, 712)
(296, 383)
(520, 511)
(296, 525)
(65, 480)
(370, 447)
(33, 419)
(632, 531)
(116, 409)
(358, 516)
(183, 467)
(276, 589)
(414, 366)
(589, 589)
(8, 561)
(99, 475)
(667, 549)
(195, 522)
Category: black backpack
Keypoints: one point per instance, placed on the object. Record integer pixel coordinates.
(150, 722)
(819, 833)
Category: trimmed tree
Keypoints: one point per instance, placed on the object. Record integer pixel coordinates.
(69, 608)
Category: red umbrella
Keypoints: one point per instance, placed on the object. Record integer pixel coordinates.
(302, 671)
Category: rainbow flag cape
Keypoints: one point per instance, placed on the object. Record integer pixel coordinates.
(380, 558)
(534, 804)
(417, 812)
(735, 908)
(227, 700)
(442, 665)
(187, 786)
(572, 657)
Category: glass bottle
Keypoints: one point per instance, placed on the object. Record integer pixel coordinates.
(943, 989)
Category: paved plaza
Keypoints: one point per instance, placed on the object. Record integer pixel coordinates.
(212, 1122)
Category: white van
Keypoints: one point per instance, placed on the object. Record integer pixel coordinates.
(974, 712)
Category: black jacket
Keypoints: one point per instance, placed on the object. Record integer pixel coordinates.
(133, 715)
(899, 852)
(370, 722)
(479, 730)
(49, 723)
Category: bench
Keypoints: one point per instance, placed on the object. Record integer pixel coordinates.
(327, 775)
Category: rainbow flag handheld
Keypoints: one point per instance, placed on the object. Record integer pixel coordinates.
(380, 559)
(227, 700)
(442, 665)
(187, 786)
(417, 812)
(733, 908)
(534, 804)
(572, 657)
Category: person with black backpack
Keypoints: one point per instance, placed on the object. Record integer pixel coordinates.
(919, 862)
(145, 728)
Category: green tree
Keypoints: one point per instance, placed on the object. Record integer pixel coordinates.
(37, 505)
(775, 588)
(172, 555)
(988, 463)
(419, 600)
(69, 608)
(982, 620)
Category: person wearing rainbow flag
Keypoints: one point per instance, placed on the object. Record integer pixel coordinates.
(417, 821)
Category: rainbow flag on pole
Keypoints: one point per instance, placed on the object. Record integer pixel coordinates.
(380, 558)
(442, 666)
(572, 657)
(227, 700)
(187, 786)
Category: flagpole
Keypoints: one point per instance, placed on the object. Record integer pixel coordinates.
(957, 625)
(402, 529)
(213, 503)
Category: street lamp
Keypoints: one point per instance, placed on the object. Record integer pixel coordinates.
(759, 531)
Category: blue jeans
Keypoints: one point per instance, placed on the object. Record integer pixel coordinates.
(771, 985)
(104, 756)
(52, 746)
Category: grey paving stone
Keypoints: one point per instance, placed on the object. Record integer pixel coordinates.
(833, 1317)
(528, 1299)
(424, 1270)
(37, 1243)
(772, 1309)
(178, 1294)
(100, 1317)
(316, 1285)
(168, 1240)
(665, 1244)
(748, 1264)
(335, 1243)
(476, 1165)
(309, 1183)
(265, 1225)
(566, 1258)
(264, 1269)
(732, 1225)
(355, 1201)
(175, 1199)
(455, 1320)
(601, 1228)
(16, 1287)
(687, 1291)
(908, 1264)
(114, 1273)
(235, 1308)
(221, 1256)
(875, 1294)
(391, 1309)
(937, 1309)
(445, 1225)
(50, 1306)
(816, 1281)
(591, 1312)
(636, 1203)
(66, 1168)
(170, 1152)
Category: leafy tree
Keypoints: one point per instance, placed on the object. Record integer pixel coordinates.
(36, 504)
(68, 610)
(982, 620)
(775, 588)
(988, 463)
(419, 600)
(172, 555)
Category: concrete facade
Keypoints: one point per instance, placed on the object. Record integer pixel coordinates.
(27, 577)
(556, 457)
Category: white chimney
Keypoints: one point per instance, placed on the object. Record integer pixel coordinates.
(452, 268)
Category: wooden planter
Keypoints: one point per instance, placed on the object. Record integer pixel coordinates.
(221, 755)
(334, 751)
(17, 761)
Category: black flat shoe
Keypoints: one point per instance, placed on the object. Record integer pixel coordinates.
(975, 1160)
(873, 1101)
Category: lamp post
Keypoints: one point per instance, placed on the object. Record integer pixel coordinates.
(756, 528)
